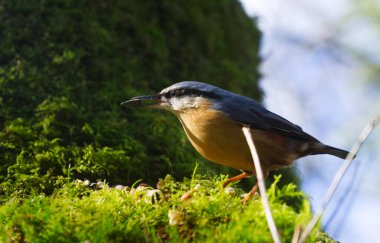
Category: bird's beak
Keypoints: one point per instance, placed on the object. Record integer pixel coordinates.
(142, 101)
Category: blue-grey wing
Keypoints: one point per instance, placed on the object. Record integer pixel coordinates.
(249, 112)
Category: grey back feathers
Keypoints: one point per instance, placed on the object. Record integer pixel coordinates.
(239, 108)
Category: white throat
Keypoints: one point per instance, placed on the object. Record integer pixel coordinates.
(185, 102)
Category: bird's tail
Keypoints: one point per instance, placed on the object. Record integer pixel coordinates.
(336, 152)
(326, 149)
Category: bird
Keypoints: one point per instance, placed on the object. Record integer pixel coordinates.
(212, 119)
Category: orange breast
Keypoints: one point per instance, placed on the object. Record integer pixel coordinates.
(216, 137)
(221, 140)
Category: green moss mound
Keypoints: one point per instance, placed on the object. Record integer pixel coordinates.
(208, 213)
(65, 66)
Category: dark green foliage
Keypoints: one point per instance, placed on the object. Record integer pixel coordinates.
(65, 66)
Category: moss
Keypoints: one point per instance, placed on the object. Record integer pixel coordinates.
(77, 213)
(66, 65)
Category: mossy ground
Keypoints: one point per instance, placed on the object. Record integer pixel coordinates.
(77, 213)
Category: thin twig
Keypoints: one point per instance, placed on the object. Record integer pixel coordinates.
(260, 180)
(297, 234)
(338, 177)
(345, 203)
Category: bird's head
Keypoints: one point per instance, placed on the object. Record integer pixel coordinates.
(179, 97)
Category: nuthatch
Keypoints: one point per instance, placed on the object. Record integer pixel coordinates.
(212, 119)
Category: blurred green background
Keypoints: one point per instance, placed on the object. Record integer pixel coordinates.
(66, 65)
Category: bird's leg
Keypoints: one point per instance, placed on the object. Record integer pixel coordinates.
(237, 178)
(251, 193)
(255, 187)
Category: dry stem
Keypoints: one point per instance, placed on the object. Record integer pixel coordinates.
(260, 180)
(338, 177)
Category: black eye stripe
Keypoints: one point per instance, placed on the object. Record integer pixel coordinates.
(180, 92)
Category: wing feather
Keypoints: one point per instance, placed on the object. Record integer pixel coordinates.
(249, 112)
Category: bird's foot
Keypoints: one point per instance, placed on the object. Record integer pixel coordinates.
(250, 194)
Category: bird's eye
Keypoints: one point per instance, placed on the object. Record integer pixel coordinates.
(172, 93)
(168, 94)
(180, 92)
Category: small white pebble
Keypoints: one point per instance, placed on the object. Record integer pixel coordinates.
(153, 196)
(87, 183)
(100, 185)
(230, 191)
(153, 192)
(120, 187)
(141, 189)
